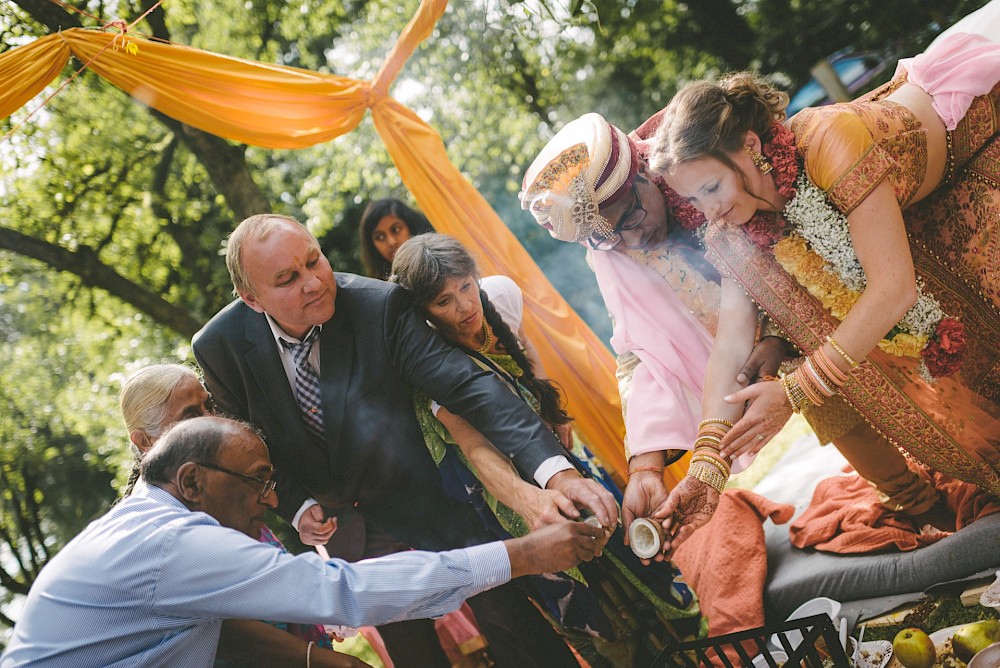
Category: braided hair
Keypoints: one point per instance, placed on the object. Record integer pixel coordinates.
(549, 398)
(423, 264)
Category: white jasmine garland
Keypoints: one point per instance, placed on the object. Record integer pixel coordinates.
(827, 232)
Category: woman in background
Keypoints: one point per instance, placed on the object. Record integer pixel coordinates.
(385, 225)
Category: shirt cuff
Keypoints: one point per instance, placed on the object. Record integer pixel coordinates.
(306, 505)
(489, 564)
(549, 468)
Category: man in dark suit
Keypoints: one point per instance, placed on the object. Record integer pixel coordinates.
(346, 439)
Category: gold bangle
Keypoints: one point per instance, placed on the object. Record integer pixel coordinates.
(843, 353)
(712, 452)
(796, 395)
(788, 393)
(712, 461)
(709, 421)
(710, 476)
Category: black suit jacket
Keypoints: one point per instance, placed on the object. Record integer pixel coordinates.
(373, 351)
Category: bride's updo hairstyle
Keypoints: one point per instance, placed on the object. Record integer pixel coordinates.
(423, 264)
(708, 119)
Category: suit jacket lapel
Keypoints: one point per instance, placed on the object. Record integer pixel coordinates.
(336, 354)
(265, 365)
(264, 362)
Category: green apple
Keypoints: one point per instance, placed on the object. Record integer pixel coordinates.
(914, 648)
(971, 638)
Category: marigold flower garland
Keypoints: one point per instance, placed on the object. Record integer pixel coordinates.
(819, 254)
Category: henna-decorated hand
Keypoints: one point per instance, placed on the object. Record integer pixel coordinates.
(689, 507)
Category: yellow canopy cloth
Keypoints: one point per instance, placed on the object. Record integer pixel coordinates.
(283, 107)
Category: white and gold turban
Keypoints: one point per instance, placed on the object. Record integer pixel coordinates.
(588, 164)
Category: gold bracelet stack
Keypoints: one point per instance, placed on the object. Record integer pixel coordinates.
(709, 475)
(707, 465)
(817, 379)
(796, 397)
(726, 424)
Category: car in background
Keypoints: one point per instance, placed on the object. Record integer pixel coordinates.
(859, 72)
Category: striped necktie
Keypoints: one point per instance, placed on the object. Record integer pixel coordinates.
(307, 383)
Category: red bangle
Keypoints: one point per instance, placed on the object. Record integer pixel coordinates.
(648, 469)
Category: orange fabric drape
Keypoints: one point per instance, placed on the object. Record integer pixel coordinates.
(283, 107)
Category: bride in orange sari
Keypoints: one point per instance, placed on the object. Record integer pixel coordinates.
(868, 233)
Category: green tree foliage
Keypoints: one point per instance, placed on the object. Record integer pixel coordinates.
(114, 213)
(61, 441)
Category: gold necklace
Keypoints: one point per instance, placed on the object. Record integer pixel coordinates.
(488, 333)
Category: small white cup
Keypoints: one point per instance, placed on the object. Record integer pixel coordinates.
(645, 537)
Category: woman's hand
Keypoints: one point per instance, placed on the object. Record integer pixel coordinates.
(644, 494)
(542, 507)
(767, 412)
(564, 432)
(690, 506)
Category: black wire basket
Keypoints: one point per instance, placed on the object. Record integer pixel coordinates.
(819, 648)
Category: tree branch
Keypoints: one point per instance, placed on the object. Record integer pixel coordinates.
(85, 264)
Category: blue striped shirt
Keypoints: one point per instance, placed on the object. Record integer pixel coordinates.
(149, 583)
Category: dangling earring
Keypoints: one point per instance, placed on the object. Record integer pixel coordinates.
(759, 161)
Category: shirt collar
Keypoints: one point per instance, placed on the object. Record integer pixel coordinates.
(153, 491)
(280, 334)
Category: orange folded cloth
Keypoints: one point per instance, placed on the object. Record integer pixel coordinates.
(845, 516)
(725, 561)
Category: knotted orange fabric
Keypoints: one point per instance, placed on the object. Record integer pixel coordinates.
(283, 107)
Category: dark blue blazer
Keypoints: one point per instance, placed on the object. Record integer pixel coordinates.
(374, 351)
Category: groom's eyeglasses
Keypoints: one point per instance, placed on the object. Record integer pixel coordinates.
(630, 220)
